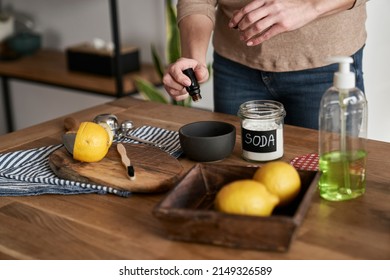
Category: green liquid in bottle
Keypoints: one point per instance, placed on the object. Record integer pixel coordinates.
(343, 176)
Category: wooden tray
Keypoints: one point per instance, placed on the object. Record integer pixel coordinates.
(187, 212)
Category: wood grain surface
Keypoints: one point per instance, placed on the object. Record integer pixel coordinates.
(155, 170)
(94, 226)
(50, 67)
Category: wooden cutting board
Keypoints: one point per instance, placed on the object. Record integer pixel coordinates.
(155, 170)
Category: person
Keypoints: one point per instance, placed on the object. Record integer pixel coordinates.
(268, 49)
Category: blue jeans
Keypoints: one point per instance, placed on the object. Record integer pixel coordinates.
(299, 91)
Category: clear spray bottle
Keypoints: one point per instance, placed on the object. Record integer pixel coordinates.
(342, 137)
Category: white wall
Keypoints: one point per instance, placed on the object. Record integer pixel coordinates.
(375, 67)
(65, 23)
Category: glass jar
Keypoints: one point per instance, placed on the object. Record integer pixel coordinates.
(262, 130)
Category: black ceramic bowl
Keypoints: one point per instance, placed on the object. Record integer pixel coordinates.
(205, 141)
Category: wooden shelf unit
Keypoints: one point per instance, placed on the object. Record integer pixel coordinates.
(49, 67)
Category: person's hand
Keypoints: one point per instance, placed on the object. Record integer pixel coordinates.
(175, 82)
(261, 20)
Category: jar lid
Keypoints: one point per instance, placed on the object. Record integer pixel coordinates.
(261, 109)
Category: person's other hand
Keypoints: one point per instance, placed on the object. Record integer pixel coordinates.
(175, 82)
(261, 20)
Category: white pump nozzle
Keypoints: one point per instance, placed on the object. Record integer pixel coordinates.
(344, 78)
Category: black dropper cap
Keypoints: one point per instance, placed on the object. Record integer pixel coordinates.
(193, 89)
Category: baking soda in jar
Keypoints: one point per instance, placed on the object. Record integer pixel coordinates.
(262, 130)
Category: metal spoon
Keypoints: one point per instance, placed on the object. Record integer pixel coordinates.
(127, 126)
(123, 130)
(71, 125)
(110, 119)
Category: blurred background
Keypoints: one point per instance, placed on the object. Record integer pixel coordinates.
(142, 22)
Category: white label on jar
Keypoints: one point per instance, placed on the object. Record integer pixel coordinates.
(261, 141)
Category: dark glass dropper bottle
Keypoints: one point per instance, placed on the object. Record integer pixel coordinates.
(193, 89)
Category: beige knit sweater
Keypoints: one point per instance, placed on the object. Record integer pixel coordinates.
(308, 47)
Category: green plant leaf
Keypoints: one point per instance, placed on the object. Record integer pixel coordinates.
(149, 91)
(173, 36)
(157, 62)
(179, 103)
(210, 69)
(187, 102)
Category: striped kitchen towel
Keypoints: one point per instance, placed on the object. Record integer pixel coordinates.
(27, 172)
(167, 138)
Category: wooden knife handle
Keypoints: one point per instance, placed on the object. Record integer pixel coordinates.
(71, 124)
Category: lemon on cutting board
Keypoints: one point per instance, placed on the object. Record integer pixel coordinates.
(246, 197)
(92, 142)
(281, 179)
(109, 131)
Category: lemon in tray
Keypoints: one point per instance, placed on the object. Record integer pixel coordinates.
(281, 179)
(246, 197)
(274, 184)
(92, 142)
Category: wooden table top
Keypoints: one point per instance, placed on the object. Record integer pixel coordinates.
(92, 226)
